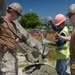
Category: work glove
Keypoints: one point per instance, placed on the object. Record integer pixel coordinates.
(44, 41)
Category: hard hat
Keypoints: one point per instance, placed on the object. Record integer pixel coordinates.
(17, 7)
(71, 10)
(60, 18)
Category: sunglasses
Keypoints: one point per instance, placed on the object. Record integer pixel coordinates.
(17, 13)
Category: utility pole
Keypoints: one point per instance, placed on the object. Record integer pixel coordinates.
(2, 7)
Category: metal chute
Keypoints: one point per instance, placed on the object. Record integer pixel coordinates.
(33, 49)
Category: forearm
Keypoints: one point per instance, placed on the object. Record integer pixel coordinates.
(67, 38)
(53, 43)
(44, 41)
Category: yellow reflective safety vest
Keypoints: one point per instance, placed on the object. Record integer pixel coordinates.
(62, 52)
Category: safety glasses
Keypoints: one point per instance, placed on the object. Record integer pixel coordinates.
(17, 13)
(11, 9)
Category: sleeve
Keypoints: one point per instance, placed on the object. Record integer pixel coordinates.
(60, 42)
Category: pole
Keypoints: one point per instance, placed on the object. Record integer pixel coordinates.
(2, 7)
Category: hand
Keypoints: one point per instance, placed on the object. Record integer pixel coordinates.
(58, 35)
(44, 41)
(17, 40)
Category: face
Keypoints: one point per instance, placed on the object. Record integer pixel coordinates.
(72, 19)
(61, 26)
(15, 15)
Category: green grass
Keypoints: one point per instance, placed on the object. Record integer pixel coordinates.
(52, 53)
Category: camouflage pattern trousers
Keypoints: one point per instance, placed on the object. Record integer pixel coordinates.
(8, 63)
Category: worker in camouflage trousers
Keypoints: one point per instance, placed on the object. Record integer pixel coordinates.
(8, 41)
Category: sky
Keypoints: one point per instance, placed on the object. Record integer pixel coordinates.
(44, 8)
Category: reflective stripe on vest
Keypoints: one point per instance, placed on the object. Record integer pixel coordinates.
(61, 48)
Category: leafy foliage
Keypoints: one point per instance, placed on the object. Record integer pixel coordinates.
(30, 20)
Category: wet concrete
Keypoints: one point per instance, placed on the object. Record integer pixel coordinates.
(39, 69)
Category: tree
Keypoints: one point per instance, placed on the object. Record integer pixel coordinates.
(30, 20)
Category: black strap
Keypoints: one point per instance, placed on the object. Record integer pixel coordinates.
(1, 20)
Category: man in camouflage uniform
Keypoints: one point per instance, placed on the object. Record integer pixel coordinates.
(71, 15)
(8, 41)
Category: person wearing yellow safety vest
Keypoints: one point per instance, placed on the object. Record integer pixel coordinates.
(62, 50)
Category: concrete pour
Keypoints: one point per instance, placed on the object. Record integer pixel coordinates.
(47, 68)
(39, 69)
(36, 69)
